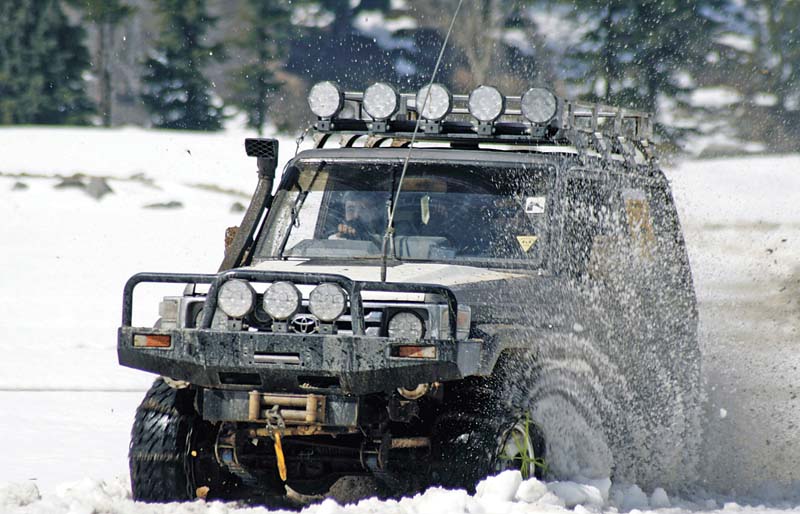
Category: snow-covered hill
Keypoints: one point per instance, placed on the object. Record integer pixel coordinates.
(67, 245)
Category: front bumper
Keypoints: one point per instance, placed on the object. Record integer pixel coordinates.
(293, 362)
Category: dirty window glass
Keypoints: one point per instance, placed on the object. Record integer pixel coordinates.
(457, 213)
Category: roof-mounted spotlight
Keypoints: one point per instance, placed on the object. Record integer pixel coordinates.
(325, 99)
(486, 103)
(434, 102)
(538, 105)
(381, 101)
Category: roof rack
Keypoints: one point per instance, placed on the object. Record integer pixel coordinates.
(592, 129)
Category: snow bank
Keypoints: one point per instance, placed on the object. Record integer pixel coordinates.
(505, 493)
(184, 157)
(501, 494)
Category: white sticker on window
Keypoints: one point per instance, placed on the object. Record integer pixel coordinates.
(534, 205)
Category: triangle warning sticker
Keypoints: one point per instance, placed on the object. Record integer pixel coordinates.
(526, 242)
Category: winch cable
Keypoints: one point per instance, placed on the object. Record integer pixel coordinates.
(389, 234)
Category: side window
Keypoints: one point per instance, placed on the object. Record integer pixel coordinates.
(669, 250)
(639, 222)
(587, 224)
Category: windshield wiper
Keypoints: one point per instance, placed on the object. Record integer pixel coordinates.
(298, 204)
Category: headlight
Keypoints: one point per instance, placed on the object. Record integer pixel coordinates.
(538, 105)
(327, 302)
(236, 298)
(434, 105)
(486, 103)
(381, 101)
(281, 300)
(406, 325)
(325, 99)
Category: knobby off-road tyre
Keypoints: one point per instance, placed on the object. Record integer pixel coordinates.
(171, 451)
(614, 412)
(158, 450)
(584, 406)
(471, 439)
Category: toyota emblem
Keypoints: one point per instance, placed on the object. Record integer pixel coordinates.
(305, 323)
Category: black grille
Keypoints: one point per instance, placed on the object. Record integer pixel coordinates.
(373, 319)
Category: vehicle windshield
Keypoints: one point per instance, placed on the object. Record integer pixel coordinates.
(462, 213)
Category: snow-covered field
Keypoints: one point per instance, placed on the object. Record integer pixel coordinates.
(66, 407)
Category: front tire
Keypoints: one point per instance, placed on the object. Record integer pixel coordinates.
(171, 454)
(159, 445)
(483, 436)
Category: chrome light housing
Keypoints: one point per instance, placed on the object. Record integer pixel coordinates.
(486, 103)
(325, 99)
(327, 302)
(281, 300)
(236, 298)
(434, 102)
(381, 101)
(406, 325)
(538, 105)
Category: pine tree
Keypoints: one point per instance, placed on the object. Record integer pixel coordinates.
(632, 53)
(42, 64)
(773, 68)
(344, 12)
(106, 15)
(175, 91)
(264, 40)
(478, 39)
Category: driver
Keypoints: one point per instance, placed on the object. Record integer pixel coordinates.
(361, 219)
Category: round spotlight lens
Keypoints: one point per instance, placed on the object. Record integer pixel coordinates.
(325, 99)
(406, 325)
(236, 298)
(381, 101)
(327, 302)
(486, 103)
(538, 105)
(281, 300)
(436, 104)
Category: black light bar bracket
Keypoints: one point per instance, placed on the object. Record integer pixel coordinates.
(585, 126)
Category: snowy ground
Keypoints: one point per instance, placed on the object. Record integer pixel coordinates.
(66, 406)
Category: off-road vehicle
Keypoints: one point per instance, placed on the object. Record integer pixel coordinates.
(430, 296)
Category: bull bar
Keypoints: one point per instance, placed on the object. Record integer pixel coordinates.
(352, 287)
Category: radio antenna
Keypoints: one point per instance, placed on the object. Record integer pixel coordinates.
(388, 236)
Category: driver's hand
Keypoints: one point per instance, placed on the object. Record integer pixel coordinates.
(346, 230)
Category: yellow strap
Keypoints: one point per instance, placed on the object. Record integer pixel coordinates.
(279, 456)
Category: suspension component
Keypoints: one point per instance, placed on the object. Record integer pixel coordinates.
(227, 455)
